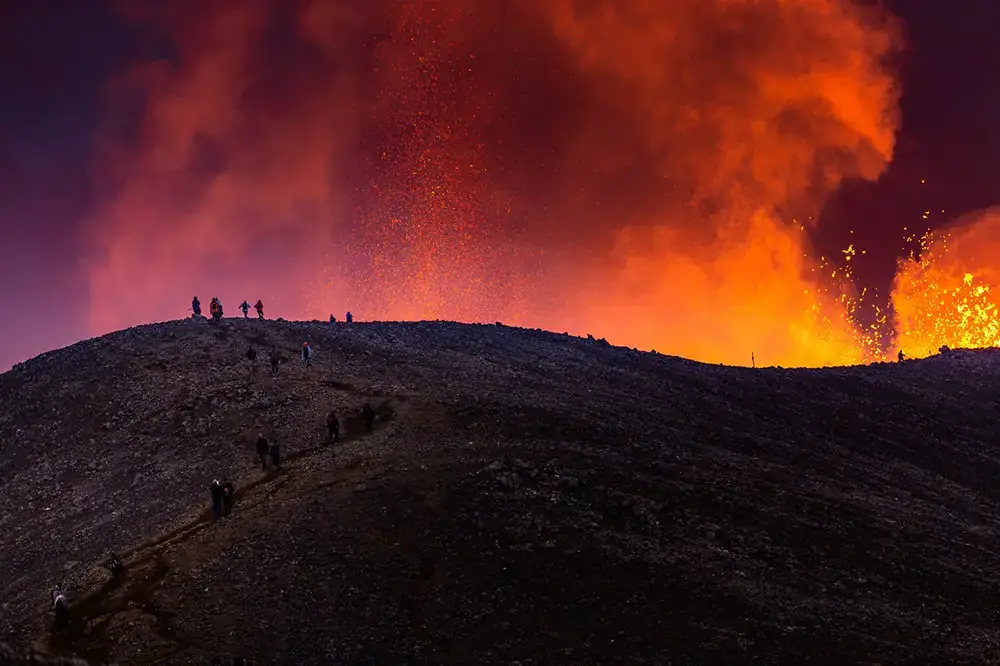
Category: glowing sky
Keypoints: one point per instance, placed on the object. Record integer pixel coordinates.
(680, 176)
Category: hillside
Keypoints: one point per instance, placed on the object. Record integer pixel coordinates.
(525, 497)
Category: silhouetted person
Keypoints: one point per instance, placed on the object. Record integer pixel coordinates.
(275, 361)
(368, 414)
(259, 307)
(252, 357)
(216, 490)
(216, 309)
(115, 566)
(307, 354)
(333, 320)
(333, 427)
(262, 451)
(275, 451)
(899, 357)
(246, 308)
(196, 305)
(60, 606)
(227, 497)
(349, 318)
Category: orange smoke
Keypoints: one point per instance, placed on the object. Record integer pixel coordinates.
(628, 169)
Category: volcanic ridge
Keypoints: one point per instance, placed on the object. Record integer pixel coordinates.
(524, 498)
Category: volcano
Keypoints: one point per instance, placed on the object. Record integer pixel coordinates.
(523, 497)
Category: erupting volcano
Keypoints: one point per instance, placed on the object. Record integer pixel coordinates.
(652, 173)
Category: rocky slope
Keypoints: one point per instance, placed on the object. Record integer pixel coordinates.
(525, 498)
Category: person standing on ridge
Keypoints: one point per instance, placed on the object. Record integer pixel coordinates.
(196, 306)
(349, 318)
(900, 357)
(262, 450)
(216, 309)
(307, 354)
(246, 308)
(259, 308)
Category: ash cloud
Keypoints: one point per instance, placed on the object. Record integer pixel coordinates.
(537, 162)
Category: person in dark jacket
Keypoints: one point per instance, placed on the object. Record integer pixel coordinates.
(252, 357)
(115, 566)
(262, 450)
(246, 308)
(216, 490)
(228, 490)
(60, 605)
(196, 306)
(307, 354)
(275, 359)
(349, 318)
(259, 307)
(368, 414)
(275, 451)
(333, 427)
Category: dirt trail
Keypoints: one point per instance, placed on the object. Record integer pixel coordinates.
(146, 565)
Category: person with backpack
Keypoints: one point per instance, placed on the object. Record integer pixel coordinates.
(216, 309)
(259, 307)
(246, 308)
(196, 306)
(252, 357)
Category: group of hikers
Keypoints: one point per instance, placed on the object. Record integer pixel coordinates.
(222, 491)
(215, 308)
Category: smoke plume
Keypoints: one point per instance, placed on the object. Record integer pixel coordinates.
(639, 170)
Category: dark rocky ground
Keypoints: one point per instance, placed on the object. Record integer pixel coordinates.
(525, 498)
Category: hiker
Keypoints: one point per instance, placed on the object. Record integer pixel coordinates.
(196, 306)
(216, 309)
(262, 450)
(259, 307)
(275, 360)
(368, 414)
(115, 566)
(252, 357)
(61, 607)
(307, 354)
(333, 320)
(227, 498)
(333, 427)
(216, 490)
(349, 318)
(900, 357)
(275, 452)
(246, 308)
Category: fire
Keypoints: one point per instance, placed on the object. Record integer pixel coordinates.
(640, 171)
(944, 295)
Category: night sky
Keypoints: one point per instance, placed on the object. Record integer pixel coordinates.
(332, 161)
